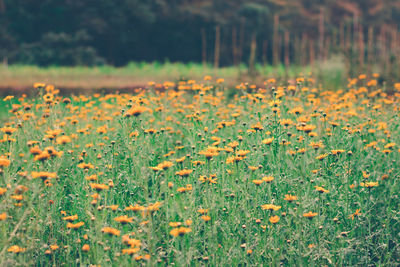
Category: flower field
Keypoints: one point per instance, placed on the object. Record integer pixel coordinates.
(195, 173)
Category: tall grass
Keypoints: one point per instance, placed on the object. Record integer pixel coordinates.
(280, 175)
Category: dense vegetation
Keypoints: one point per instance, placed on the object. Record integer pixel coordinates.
(90, 32)
(198, 173)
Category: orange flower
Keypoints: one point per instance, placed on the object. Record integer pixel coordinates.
(8, 130)
(17, 197)
(180, 231)
(130, 251)
(3, 216)
(210, 152)
(180, 160)
(75, 226)
(92, 177)
(206, 218)
(258, 182)
(35, 151)
(85, 166)
(369, 184)
(2, 191)
(184, 173)
(268, 179)
(310, 215)
(185, 189)
(85, 248)
(242, 153)
(202, 211)
(111, 231)
(175, 224)
(290, 198)
(71, 218)
(274, 219)
(321, 189)
(99, 187)
(16, 249)
(123, 219)
(135, 208)
(113, 207)
(62, 140)
(136, 111)
(42, 156)
(44, 175)
(131, 242)
(357, 213)
(4, 162)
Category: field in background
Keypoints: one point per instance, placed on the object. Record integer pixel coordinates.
(16, 78)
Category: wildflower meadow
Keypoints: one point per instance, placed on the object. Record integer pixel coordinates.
(195, 173)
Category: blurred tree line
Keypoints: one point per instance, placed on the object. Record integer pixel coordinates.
(222, 32)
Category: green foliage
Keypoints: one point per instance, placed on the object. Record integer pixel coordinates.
(61, 49)
(90, 32)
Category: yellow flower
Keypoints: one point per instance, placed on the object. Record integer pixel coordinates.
(8, 130)
(180, 231)
(369, 184)
(9, 97)
(210, 180)
(322, 156)
(39, 85)
(290, 198)
(268, 179)
(48, 98)
(267, 141)
(270, 207)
